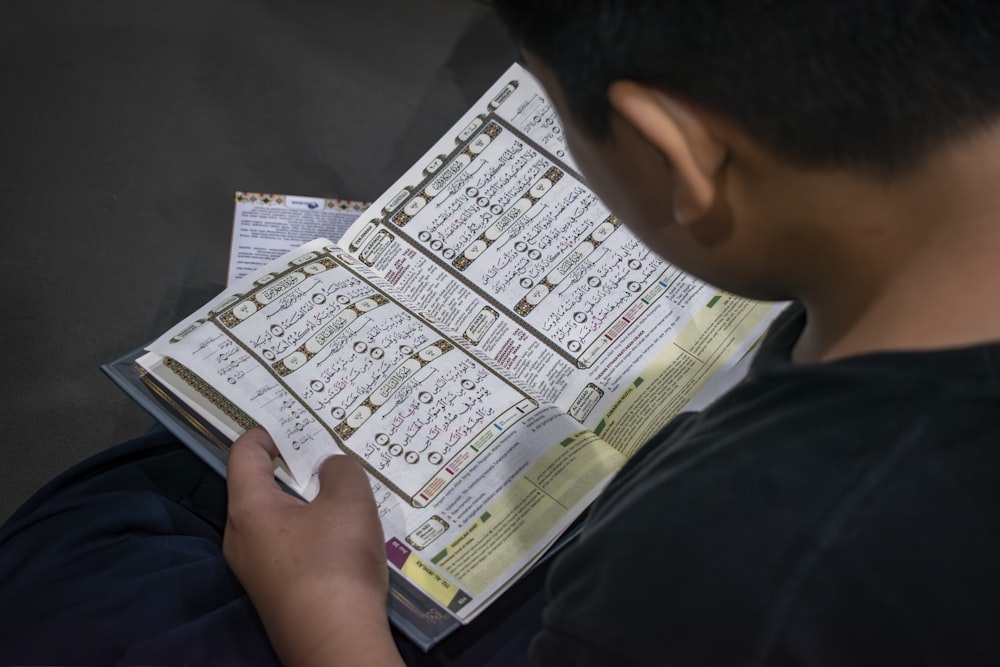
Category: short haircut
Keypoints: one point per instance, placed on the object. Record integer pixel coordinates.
(860, 83)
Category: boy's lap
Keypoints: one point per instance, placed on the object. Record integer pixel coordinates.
(119, 561)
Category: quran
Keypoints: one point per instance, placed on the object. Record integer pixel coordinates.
(486, 339)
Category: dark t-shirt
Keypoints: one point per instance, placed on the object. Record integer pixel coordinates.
(844, 513)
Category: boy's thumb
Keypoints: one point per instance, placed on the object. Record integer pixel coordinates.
(343, 480)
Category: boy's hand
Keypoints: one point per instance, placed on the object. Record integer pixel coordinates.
(316, 572)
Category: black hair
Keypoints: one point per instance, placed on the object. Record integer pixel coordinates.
(871, 83)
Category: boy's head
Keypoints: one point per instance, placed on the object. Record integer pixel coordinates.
(827, 94)
(851, 82)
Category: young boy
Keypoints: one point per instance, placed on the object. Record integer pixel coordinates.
(840, 505)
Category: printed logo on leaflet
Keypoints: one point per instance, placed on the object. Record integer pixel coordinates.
(310, 204)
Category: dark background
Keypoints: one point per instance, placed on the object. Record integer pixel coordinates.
(125, 129)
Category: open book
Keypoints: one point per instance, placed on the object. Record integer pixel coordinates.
(487, 339)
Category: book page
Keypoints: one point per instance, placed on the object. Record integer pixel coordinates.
(495, 234)
(486, 339)
(316, 349)
(266, 226)
(473, 475)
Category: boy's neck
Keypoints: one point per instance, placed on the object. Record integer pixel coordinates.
(918, 260)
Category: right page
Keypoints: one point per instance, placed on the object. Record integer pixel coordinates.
(496, 235)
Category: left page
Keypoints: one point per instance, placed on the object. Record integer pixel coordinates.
(316, 351)
(266, 226)
(473, 475)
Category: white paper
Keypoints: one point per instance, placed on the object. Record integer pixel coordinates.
(266, 226)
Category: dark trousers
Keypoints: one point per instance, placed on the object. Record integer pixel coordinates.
(119, 561)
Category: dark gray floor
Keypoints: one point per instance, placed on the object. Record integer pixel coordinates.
(126, 128)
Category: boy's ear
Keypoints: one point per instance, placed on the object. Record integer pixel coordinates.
(681, 137)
